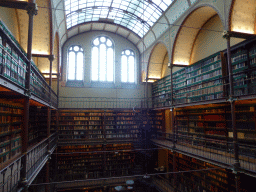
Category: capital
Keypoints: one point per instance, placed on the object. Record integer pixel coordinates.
(28, 93)
(32, 9)
(226, 34)
(51, 57)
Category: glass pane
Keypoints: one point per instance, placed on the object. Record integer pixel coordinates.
(95, 64)
(102, 70)
(124, 69)
(76, 48)
(110, 65)
(71, 66)
(109, 43)
(131, 69)
(80, 68)
(112, 8)
(103, 39)
(96, 41)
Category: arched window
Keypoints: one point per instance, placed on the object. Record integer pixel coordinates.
(128, 66)
(102, 59)
(75, 63)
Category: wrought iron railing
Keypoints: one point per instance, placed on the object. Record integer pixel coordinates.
(94, 182)
(13, 66)
(218, 151)
(208, 91)
(10, 176)
(36, 158)
(40, 87)
(104, 102)
(38, 155)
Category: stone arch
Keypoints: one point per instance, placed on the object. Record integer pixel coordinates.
(242, 16)
(158, 61)
(188, 32)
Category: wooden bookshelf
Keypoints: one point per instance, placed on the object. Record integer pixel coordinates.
(213, 124)
(99, 125)
(53, 121)
(37, 124)
(218, 179)
(201, 81)
(94, 161)
(161, 92)
(11, 114)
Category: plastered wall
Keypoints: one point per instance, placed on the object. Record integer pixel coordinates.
(210, 42)
(203, 44)
(117, 90)
(9, 18)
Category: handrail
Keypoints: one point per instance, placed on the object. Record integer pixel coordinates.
(191, 93)
(36, 157)
(13, 66)
(41, 142)
(103, 102)
(211, 149)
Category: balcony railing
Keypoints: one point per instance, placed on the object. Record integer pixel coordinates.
(104, 102)
(210, 91)
(94, 182)
(13, 67)
(36, 158)
(217, 151)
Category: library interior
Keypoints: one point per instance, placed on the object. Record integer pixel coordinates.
(127, 95)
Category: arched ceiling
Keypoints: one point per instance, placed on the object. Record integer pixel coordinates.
(156, 61)
(187, 34)
(243, 16)
(136, 15)
(129, 10)
(101, 26)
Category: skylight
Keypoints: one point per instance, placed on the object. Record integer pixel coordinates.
(136, 15)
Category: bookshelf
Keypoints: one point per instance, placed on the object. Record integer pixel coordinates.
(12, 63)
(11, 114)
(239, 60)
(213, 124)
(218, 179)
(201, 81)
(53, 120)
(157, 119)
(161, 92)
(97, 124)
(94, 161)
(37, 124)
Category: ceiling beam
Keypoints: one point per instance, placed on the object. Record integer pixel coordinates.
(176, 65)
(41, 55)
(238, 35)
(16, 4)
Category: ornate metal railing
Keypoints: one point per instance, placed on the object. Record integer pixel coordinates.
(14, 67)
(104, 102)
(36, 158)
(210, 91)
(217, 151)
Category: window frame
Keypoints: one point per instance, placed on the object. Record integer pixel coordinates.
(81, 50)
(98, 81)
(127, 72)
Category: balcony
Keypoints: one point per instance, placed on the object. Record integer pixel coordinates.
(14, 72)
(213, 151)
(37, 156)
